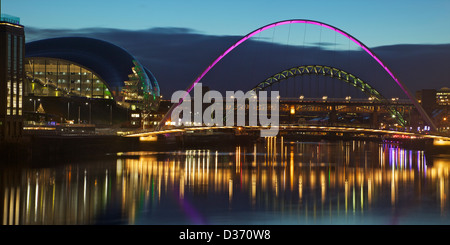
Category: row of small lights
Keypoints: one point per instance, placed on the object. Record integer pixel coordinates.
(324, 97)
(346, 98)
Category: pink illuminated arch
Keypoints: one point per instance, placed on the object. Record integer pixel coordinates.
(296, 21)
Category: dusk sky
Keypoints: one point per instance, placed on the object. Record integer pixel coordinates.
(376, 23)
(186, 36)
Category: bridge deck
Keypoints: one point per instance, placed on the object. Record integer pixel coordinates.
(297, 128)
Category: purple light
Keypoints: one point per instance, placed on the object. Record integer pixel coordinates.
(410, 159)
(364, 47)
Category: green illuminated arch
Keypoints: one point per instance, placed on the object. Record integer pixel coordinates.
(332, 72)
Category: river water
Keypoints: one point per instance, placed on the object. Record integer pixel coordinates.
(269, 183)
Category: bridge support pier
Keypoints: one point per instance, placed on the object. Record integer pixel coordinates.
(374, 123)
(332, 116)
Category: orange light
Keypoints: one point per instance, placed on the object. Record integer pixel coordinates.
(292, 110)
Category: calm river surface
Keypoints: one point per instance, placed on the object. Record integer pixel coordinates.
(271, 183)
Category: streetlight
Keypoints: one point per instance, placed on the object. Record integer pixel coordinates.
(90, 107)
(79, 115)
(68, 110)
(110, 114)
(34, 103)
(292, 110)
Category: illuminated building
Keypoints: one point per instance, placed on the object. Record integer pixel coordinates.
(57, 77)
(436, 103)
(77, 67)
(12, 45)
(443, 96)
(443, 118)
(433, 98)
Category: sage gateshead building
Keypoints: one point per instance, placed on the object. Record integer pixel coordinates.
(89, 69)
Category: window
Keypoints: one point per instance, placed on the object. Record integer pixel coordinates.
(9, 53)
(15, 54)
(20, 54)
(8, 108)
(15, 95)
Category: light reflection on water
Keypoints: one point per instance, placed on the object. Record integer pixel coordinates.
(275, 182)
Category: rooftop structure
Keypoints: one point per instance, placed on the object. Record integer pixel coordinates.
(10, 19)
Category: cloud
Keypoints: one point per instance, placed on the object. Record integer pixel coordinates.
(176, 56)
(324, 44)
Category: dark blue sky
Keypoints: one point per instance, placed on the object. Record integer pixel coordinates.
(376, 23)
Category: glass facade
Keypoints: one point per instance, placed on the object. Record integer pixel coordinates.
(443, 96)
(138, 90)
(57, 77)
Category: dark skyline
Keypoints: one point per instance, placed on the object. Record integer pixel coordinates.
(375, 23)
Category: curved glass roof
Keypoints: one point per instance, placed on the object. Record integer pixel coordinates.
(112, 63)
(109, 61)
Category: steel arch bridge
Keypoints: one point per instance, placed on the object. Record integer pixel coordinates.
(311, 22)
(332, 72)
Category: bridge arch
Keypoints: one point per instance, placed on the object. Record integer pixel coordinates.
(312, 22)
(332, 72)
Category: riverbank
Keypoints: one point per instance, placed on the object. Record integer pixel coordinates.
(39, 148)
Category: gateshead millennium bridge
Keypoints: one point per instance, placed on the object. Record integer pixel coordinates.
(375, 116)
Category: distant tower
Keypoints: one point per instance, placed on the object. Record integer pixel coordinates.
(427, 98)
(12, 53)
